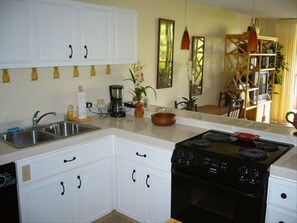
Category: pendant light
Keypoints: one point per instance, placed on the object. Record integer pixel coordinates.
(252, 45)
(185, 43)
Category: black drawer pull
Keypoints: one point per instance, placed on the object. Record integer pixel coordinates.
(284, 196)
(142, 155)
(280, 222)
(63, 191)
(86, 55)
(146, 181)
(134, 171)
(71, 51)
(66, 161)
(79, 186)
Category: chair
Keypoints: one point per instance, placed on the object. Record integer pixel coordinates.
(226, 97)
(235, 108)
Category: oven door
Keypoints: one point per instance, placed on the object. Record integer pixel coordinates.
(196, 199)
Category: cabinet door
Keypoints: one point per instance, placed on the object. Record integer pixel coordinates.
(127, 189)
(56, 32)
(16, 25)
(125, 36)
(157, 193)
(95, 35)
(46, 201)
(93, 189)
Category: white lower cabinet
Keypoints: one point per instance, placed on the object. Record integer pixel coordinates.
(281, 201)
(81, 194)
(143, 185)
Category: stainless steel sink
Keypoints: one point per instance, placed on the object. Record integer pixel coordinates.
(26, 138)
(41, 134)
(66, 128)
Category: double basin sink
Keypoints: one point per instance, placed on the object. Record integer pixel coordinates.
(46, 133)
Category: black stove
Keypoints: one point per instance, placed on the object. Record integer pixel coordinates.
(222, 154)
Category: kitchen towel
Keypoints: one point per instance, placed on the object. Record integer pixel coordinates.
(81, 105)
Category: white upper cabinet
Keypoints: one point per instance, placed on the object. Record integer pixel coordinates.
(125, 23)
(45, 33)
(56, 26)
(16, 25)
(95, 34)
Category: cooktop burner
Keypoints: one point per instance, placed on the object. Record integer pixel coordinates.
(216, 137)
(254, 154)
(201, 142)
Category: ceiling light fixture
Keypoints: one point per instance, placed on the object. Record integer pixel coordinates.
(252, 45)
(185, 43)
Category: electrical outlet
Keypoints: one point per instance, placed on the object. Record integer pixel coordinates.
(100, 101)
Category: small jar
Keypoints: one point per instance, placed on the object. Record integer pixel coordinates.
(70, 113)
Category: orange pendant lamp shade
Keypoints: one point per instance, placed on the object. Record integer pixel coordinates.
(252, 45)
(185, 43)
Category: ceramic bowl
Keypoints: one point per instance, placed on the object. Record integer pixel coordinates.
(163, 118)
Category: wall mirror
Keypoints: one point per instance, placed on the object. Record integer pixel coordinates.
(196, 75)
(165, 53)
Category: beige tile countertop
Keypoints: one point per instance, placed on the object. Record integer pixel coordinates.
(188, 124)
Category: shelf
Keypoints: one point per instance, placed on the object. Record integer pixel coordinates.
(240, 65)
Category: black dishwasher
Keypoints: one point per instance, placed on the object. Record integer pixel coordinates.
(9, 211)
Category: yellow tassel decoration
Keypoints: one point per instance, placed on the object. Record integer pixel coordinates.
(56, 73)
(34, 74)
(108, 70)
(75, 72)
(93, 71)
(5, 76)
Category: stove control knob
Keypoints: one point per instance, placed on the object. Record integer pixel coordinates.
(190, 156)
(2, 180)
(181, 154)
(243, 171)
(254, 173)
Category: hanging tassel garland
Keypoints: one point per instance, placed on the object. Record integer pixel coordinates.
(56, 73)
(75, 72)
(5, 76)
(34, 74)
(107, 70)
(93, 71)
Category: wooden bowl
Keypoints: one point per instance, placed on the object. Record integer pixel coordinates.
(163, 118)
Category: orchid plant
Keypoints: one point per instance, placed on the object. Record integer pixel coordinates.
(137, 78)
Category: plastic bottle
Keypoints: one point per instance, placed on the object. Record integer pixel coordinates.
(70, 112)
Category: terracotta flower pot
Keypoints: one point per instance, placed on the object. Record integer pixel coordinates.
(139, 110)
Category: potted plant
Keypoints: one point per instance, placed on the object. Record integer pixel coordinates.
(139, 90)
(187, 103)
(280, 63)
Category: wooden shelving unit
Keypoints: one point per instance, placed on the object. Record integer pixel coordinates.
(244, 72)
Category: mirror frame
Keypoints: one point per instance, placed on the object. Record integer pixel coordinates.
(165, 53)
(196, 79)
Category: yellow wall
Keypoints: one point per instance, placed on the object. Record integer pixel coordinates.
(22, 97)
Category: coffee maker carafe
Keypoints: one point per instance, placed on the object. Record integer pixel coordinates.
(116, 101)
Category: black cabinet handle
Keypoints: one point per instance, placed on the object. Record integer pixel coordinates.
(134, 171)
(86, 48)
(79, 186)
(280, 222)
(66, 161)
(71, 51)
(142, 155)
(283, 195)
(63, 187)
(146, 181)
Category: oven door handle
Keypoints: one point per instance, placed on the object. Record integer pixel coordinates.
(197, 179)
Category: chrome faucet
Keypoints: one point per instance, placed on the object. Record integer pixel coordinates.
(36, 120)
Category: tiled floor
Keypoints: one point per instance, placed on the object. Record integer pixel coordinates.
(115, 217)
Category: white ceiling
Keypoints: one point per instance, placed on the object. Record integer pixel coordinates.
(272, 9)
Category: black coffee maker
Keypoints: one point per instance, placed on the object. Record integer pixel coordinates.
(116, 101)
